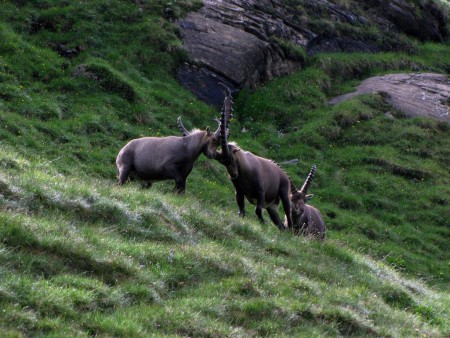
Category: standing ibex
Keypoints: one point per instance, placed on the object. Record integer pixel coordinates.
(260, 180)
(307, 220)
(164, 158)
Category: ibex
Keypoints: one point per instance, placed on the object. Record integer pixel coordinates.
(163, 158)
(259, 180)
(307, 220)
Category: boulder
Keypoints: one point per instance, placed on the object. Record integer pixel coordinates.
(415, 94)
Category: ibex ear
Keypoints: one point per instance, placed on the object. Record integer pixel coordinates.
(295, 194)
(309, 197)
(208, 131)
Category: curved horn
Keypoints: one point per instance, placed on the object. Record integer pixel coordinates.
(182, 128)
(227, 114)
(293, 188)
(308, 180)
(217, 132)
(227, 94)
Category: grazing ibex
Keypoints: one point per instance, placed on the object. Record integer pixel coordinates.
(307, 220)
(163, 158)
(259, 180)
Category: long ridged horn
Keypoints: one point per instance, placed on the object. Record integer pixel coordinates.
(293, 188)
(225, 117)
(217, 132)
(308, 180)
(182, 128)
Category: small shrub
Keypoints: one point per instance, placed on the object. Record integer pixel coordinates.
(8, 164)
(443, 126)
(291, 50)
(9, 92)
(409, 173)
(108, 78)
(41, 108)
(427, 313)
(53, 19)
(259, 308)
(425, 123)
(397, 297)
(345, 118)
(365, 115)
(331, 132)
(350, 202)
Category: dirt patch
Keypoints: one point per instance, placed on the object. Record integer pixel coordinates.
(416, 94)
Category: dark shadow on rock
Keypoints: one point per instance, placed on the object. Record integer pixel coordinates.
(323, 44)
(204, 83)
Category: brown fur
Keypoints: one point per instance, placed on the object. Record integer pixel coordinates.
(163, 158)
(307, 220)
(260, 180)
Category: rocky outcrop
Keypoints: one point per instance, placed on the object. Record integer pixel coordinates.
(421, 94)
(235, 42)
(426, 24)
(245, 42)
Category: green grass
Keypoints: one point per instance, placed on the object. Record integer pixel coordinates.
(374, 185)
(81, 256)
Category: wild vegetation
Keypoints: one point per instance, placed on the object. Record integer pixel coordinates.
(81, 256)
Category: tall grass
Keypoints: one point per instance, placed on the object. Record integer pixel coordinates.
(82, 256)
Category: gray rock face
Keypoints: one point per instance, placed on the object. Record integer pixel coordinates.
(421, 94)
(245, 42)
(233, 42)
(226, 49)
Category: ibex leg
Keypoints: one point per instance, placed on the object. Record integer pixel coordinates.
(146, 185)
(287, 209)
(180, 181)
(180, 186)
(275, 217)
(259, 206)
(123, 173)
(240, 200)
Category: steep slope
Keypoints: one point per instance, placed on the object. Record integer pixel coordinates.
(81, 256)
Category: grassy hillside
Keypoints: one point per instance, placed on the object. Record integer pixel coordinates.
(80, 256)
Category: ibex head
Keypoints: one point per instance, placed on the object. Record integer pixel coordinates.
(209, 139)
(300, 197)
